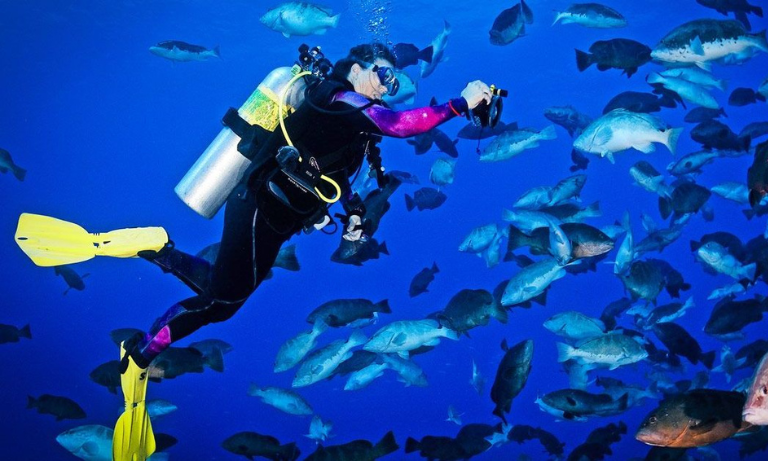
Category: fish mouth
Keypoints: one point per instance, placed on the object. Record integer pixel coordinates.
(755, 416)
(651, 438)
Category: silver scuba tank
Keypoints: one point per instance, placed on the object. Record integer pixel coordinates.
(210, 181)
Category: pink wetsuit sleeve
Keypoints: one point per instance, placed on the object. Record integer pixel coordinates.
(401, 124)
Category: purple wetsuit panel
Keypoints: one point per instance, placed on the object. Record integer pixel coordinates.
(401, 124)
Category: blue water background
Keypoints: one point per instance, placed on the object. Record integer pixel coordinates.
(107, 129)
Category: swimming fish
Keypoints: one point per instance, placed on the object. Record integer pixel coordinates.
(179, 51)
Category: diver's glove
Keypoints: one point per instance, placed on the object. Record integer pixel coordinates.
(354, 229)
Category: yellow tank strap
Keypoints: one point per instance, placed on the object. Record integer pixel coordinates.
(283, 99)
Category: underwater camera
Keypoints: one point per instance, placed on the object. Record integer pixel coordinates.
(488, 115)
(313, 60)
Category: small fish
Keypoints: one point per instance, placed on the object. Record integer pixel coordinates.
(179, 51)
(365, 376)
(454, 416)
(11, 334)
(403, 336)
(636, 101)
(617, 53)
(319, 430)
(511, 143)
(438, 50)
(591, 15)
(73, 279)
(685, 89)
(252, 444)
(425, 198)
(321, 363)
(300, 18)
(569, 118)
(611, 350)
(511, 376)
(574, 326)
(284, 400)
(6, 164)
(408, 54)
(356, 450)
(343, 312)
(442, 172)
(509, 25)
(744, 96)
(578, 405)
(696, 76)
(296, 348)
(421, 281)
(60, 407)
(477, 381)
(703, 114)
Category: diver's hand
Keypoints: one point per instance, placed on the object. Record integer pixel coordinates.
(475, 93)
(354, 230)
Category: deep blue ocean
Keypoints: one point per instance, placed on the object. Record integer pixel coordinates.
(105, 130)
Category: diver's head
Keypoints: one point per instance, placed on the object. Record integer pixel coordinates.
(370, 70)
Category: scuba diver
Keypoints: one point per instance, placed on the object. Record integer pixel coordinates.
(294, 174)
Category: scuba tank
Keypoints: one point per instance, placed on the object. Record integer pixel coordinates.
(210, 181)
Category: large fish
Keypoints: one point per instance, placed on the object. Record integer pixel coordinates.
(92, 442)
(693, 419)
(284, 400)
(252, 444)
(442, 172)
(341, 312)
(703, 40)
(60, 407)
(569, 118)
(321, 363)
(296, 348)
(6, 164)
(621, 129)
(356, 450)
(680, 342)
(578, 405)
(511, 376)
(638, 102)
(531, 281)
(509, 25)
(403, 336)
(590, 15)
(755, 409)
(617, 53)
(300, 18)
(729, 317)
(468, 309)
(510, 143)
(740, 8)
(574, 326)
(179, 51)
(12, 334)
(610, 350)
(685, 89)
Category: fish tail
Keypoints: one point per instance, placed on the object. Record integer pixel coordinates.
(756, 10)
(499, 313)
(25, 332)
(426, 54)
(217, 51)
(749, 271)
(383, 306)
(564, 352)
(335, 20)
(412, 445)
(21, 173)
(289, 451)
(409, 203)
(548, 133)
(383, 248)
(674, 135)
(386, 445)
(558, 17)
(215, 360)
(291, 262)
(435, 269)
(320, 326)
(708, 359)
(583, 60)
(31, 402)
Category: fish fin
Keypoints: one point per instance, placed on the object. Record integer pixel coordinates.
(704, 426)
(696, 46)
(286, 35)
(583, 60)
(646, 148)
(399, 339)
(674, 135)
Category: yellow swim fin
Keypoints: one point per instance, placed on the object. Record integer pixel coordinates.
(53, 242)
(133, 439)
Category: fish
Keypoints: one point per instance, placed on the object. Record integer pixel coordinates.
(569, 118)
(426, 198)
(407, 370)
(358, 252)
(408, 54)
(621, 129)
(477, 381)
(752, 353)
(60, 407)
(178, 51)
(357, 361)
(157, 408)
(445, 144)
(592, 15)
(509, 25)
(438, 51)
(702, 114)
(319, 430)
(635, 101)
(421, 281)
(696, 76)
(740, 97)
(480, 239)
(473, 438)
(719, 260)
(436, 447)
(610, 350)
(574, 326)
(356, 450)
(472, 131)
(534, 198)
(342, 312)
(108, 375)
(713, 134)
(685, 89)
(176, 361)
(694, 418)
(667, 313)
(296, 348)
(73, 279)
(700, 41)
(647, 177)
(680, 342)
(377, 203)
(365, 376)
(212, 347)
(284, 400)
(453, 415)
(692, 163)
(754, 130)
(522, 432)
(686, 198)
(92, 442)
(402, 336)
(442, 172)
(755, 410)
(511, 143)
(422, 142)
(729, 317)
(12, 334)
(728, 363)
(567, 189)
(6, 165)
(468, 309)
(617, 53)
(251, 444)
(757, 175)
(321, 363)
(300, 18)
(531, 281)
(740, 8)
(578, 405)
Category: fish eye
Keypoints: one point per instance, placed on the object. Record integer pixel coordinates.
(765, 390)
(652, 420)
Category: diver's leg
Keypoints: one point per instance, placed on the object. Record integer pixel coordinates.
(193, 271)
(249, 247)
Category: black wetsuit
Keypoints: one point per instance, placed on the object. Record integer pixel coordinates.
(257, 223)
